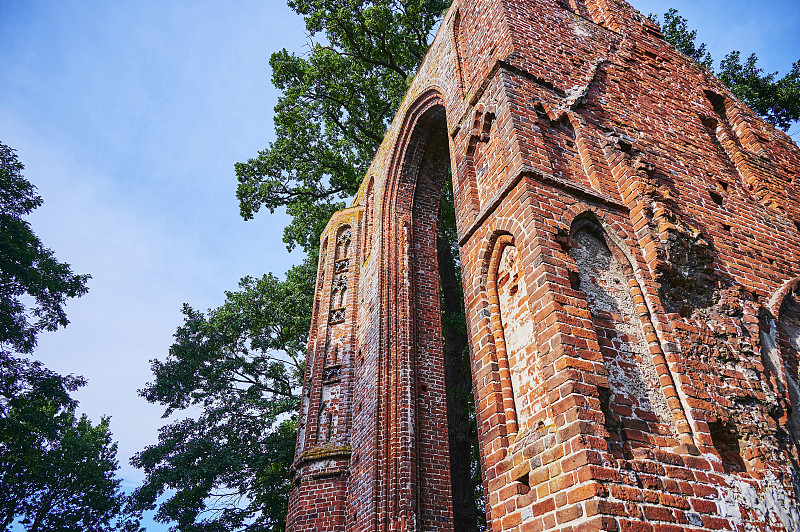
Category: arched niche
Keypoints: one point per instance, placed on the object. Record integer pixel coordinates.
(343, 240)
(780, 345)
(458, 49)
(637, 412)
(369, 217)
(340, 271)
(510, 323)
(323, 254)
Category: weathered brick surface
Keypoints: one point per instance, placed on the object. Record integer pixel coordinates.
(630, 244)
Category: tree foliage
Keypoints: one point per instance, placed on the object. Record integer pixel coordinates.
(57, 471)
(676, 31)
(336, 104)
(29, 272)
(240, 367)
(777, 100)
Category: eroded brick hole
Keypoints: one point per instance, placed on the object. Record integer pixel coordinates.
(574, 279)
(612, 423)
(715, 197)
(624, 145)
(525, 482)
(726, 441)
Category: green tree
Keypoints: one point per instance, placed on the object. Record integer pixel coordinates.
(776, 100)
(57, 471)
(29, 272)
(676, 31)
(241, 366)
(336, 105)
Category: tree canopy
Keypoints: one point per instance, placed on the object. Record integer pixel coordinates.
(34, 286)
(241, 367)
(57, 470)
(776, 100)
(336, 104)
(241, 364)
(676, 31)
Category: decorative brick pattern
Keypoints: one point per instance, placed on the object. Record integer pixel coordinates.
(630, 244)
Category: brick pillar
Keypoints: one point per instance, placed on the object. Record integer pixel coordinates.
(322, 457)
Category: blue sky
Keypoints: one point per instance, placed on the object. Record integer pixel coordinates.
(129, 117)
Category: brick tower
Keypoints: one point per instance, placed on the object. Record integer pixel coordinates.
(629, 238)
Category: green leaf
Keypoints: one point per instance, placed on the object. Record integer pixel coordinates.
(57, 471)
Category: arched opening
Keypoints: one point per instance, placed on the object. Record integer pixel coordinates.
(426, 217)
(433, 215)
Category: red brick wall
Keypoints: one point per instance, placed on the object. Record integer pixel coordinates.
(630, 242)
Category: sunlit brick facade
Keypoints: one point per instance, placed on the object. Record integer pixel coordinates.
(630, 241)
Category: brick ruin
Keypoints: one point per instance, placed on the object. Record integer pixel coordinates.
(629, 238)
